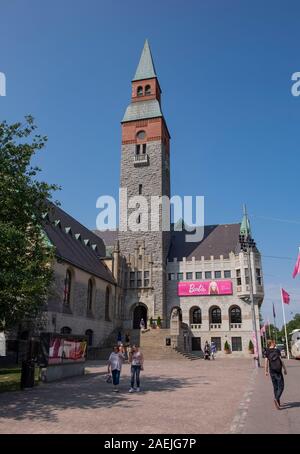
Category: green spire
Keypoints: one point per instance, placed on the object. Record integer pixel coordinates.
(245, 225)
(145, 69)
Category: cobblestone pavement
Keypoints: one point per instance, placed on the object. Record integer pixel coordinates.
(176, 397)
(262, 417)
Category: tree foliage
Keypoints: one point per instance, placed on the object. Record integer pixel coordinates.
(25, 254)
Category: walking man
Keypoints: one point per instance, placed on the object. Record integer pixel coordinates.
(274, 366)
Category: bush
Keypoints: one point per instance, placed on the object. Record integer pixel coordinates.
(226, 346)
(251, 346)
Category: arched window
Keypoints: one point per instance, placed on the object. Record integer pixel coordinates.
(215, 315)
(68, 287)
(89, 333)
(66, 330)
(196, 316)
(107, 297)
(90, 295)
(139, 91)
(147, 90)
(235, 315)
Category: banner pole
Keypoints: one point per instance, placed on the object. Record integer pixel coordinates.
(284, 321)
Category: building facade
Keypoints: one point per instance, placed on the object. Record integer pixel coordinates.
(160, 265)
(107, 282)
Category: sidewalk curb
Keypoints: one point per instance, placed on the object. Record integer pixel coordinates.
(239, 421)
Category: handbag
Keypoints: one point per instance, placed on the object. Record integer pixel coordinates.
(108, 378)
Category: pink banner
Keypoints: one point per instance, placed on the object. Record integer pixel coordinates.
(204, 288)
(68, 350)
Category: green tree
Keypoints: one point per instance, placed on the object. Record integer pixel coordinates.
(290, 326)
(26, 255)
(272, 332)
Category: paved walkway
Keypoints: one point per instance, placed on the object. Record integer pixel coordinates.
(261, 415)
(177, 397)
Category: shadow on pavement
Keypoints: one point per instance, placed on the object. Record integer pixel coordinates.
(290, 405)
(87, 392)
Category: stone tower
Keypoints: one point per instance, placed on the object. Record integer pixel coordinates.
(145, 171)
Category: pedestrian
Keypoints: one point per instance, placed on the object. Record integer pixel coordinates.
(142, 324)
(127, 339)
(114, 366)
(206, 350)
(119, 338)
(274, 366)
(136, 360)
(213, 349)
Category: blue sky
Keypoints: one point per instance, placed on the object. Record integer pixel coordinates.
(225, 70)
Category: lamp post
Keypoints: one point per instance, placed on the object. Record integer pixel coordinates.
(247, 245)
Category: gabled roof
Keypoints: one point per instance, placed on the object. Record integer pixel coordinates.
(109, 237)
(142, 109)
(69, 238)
(145, 69)
(218, 240)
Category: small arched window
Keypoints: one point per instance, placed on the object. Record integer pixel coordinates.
(139, 91)
(66, 330)
(235, 315)
(147, 90)
(90, 295)
(196, 316)
(89, 333)
(215, 315)
(107, 298)
(68, 287)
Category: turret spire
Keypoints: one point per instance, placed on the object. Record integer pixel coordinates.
(245, 225)
(145, 69)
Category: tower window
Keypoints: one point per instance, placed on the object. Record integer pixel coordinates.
(138, 219)
(137, 149)
(147, 90)
(144, 148)
(140, 189)
(141, 135)
(139, 91)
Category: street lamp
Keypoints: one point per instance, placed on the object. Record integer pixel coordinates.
(247, 245)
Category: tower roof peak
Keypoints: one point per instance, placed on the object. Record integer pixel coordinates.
(145, 69)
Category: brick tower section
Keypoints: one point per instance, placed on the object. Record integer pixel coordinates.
(145, 170)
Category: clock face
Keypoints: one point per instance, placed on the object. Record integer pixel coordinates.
(141, 135)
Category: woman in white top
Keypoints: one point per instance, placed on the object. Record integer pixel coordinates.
(136, 360)
(115, 362)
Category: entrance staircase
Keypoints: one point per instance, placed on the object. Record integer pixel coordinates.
(153, 345)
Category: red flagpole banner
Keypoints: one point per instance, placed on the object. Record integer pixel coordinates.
(297, 266)
(285, 296)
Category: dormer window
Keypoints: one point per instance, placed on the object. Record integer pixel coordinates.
(147, 90)
(139, 91)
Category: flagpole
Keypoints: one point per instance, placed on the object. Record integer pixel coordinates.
(270, 335)
(284, 321)
(275, 327)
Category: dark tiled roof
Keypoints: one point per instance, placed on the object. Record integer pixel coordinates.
(75, 251)
(108, 236)
(218, 240)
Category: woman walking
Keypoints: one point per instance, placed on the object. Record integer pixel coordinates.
(136, 360)
(114, 366)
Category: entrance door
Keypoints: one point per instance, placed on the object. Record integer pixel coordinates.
(196, 343)
(140, 312)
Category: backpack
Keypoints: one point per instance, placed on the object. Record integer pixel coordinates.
(275, 361)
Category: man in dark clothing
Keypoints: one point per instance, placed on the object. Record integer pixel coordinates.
(274, 366)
